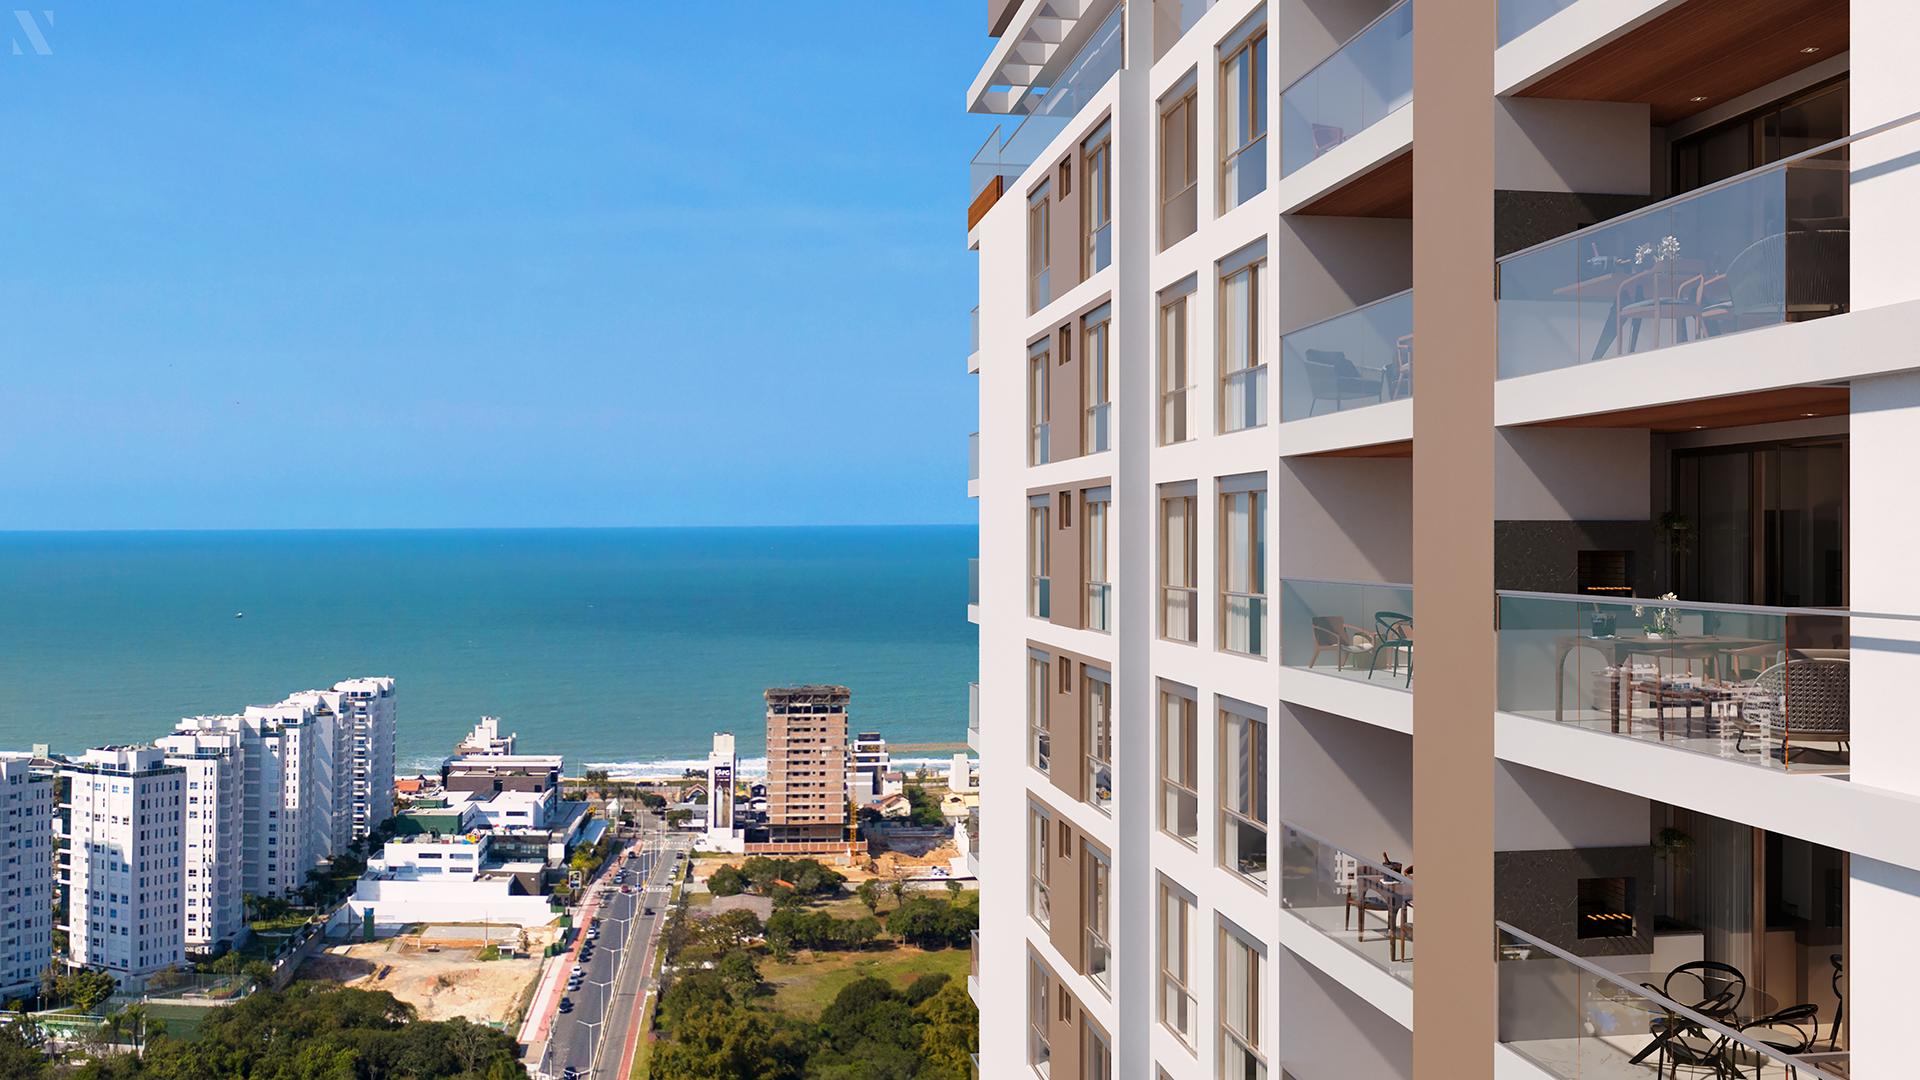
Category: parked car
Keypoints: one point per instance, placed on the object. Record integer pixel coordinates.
(566, 1004)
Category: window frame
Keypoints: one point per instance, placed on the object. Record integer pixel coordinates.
(1040, 712)
(1254, 49)
(1096, 905)
(1252, 363)
(1096, 193)
(1096, 380)
(1185, 105)
(1039, 246)
(1248, 1042)
(1180, 983)
(1254, 572)
(1187, 784)
(1039, 557)
(1040, 401)
(1040, 866)
(1039, 1016)
(1176, 336)
(1096, 556)
(1189, 568)
(1097, 734)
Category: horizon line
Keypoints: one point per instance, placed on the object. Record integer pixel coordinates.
(183, 530)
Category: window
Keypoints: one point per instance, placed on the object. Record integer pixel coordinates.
(1243, 368)
(1176, 962)
(1096, 380)
(1243, 116)
(1243, 794)
(1243, 577)
(1176, 372)
(1039, 259)
(1096, 696)
(1096, 1060)
(1039, 529)
(1179, 767)
(1039, 1052)
(1240, 1055)
(1039, 870)
(1179, 167)
(1098, 530)
(1039, 724)
(1039, 402)
(1093, 914)
(1096, 206)
(1179, 566)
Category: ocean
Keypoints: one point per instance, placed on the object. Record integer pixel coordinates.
(619, 648)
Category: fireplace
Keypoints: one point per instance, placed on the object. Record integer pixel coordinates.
(1604, 907)
(1605, 573)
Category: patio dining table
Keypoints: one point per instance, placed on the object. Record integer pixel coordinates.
(1754, 1003)
(1711, 649)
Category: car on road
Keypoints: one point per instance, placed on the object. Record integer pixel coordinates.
(571, 1074)
(627, 889)
(579, 969)
(566, 1004)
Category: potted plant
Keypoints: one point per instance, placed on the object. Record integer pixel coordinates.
(1665, 621)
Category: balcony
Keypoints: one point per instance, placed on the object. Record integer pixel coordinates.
(1768, 687)
(1049, 110)
(1573, 1018)
(1763, 248)
(973, 716)
(1351, 629)
(1359, 358)
(973, 966)
(973, 590)
(973, 465)
(973, 842)
(1368, 78)
(973, 341)
(1364, 905)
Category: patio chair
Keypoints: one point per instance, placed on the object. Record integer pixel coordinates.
(1333, 377)
(1792, 1030)
(1667, 293)
(1332, 634)
(1393, 632)
(1805, 699)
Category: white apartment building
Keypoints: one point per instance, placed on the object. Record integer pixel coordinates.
(26, 875)
(485, 740)
(325, 757)
(123, 865)
(212, 826)
(1664, 609)
(280, 801)
(368, 721)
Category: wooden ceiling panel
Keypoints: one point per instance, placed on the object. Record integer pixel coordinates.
(1401, 449)
(1713, 50)
(1385, 191)
(1734, 410)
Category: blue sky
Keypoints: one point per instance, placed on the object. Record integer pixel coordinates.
(462, 264)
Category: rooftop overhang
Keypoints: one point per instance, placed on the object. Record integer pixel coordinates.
(1044, 36)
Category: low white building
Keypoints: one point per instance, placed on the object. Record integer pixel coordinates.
(122, 871)
(723, 832)
(441, 879)
(485, 740)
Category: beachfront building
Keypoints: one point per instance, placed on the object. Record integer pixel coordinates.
(212, 826)
(489, 847)
(122, 869)
(368, 721)
(723, 832)
(807, 761)
(1230, 804)
(485, 740)
(26, 875)
(867, 781)
(281, 794)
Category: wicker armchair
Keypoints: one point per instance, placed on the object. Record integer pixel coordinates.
(1804, 700)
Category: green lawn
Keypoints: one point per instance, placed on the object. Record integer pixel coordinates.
(806, 987)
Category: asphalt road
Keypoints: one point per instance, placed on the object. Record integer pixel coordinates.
(592, 1036)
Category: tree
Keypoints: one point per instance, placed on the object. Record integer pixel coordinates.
(730, 1042)
(926, 809)
(676, 818)
(739, 975)
(21, 1054)
(869, 894)
(924, 987)
(726, 881)
(897, 888)
(951, 1033)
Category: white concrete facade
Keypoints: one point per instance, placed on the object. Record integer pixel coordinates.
(211, 830)
(123, 875)
(1337, 510)
(369, 710)
(26, 875)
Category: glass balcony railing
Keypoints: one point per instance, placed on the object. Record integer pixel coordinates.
(1042, 605)
(973, 711)
(1519, 16)
(973, 456)
(973, 581)
(973, 335)
(1357, 630)
(1368, 78)
(1053, 108)
(1575, 1019)
(1765, 686)
(1759, 249)
(1359, 358)
(1366, 906)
